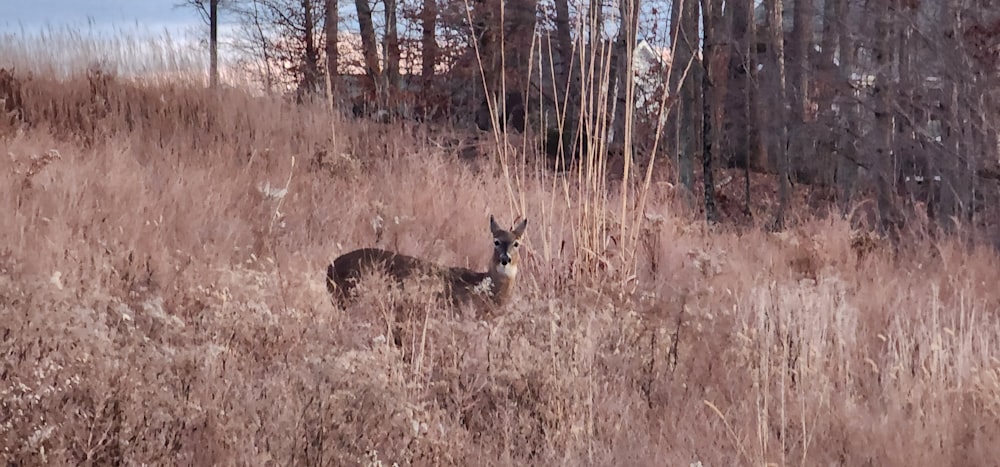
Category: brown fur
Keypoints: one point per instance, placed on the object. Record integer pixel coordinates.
(461, 284)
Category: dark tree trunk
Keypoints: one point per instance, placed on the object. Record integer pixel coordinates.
(709, 52)
(331, 25)
(889, 217)
(751, 107)
(736, 128)
(800, 46)
(310, 63)
(213, 42)
(778, 114)
(570, 76)
(391, 45)
(797, 92)
(564, 45)
(369, 46)
(428, 41)
(846, 119)
(689, 111)
(625, 47)
(488, 32)
(825, 88)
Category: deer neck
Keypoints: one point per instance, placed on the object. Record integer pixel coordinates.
(503, 279)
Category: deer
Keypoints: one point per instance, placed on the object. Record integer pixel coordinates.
(495, 286)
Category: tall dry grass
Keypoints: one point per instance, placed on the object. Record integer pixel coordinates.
(139, 52)
(162, 302)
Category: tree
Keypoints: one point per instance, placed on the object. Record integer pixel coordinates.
(883, 131)
(829, 84)
(499, 58)
(310, 61)
(778, 114)
(845, 120)
(209, 11)
(740, 126)
(569, 79)
(213, 13)
(687, 80)
(712, 58)
(798, 70)
(330, 26)
(391, 46)
(255, 42)
(279, 40)
(624, 54)
(369, 45)
(428, 41)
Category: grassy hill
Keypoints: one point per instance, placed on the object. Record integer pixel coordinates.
(162, 301)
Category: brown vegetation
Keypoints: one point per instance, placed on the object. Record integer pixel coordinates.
(162, 301)
(461, 285)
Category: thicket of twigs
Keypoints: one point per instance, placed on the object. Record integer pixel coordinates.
(162, 301)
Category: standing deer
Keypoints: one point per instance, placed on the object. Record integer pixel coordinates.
(496, 285)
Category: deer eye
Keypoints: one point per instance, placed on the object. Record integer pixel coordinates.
(517, 244)
(496, 242)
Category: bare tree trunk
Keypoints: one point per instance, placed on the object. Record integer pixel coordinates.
(751, 141)
(571, 76)
(883, 164)
(428, 41)
(847, 105)
(721, 51)
(369, 46)
(605, 81)
(520, 19)
(310, 62)
(213, 42)
(825, 88)
(391, 45)
(488, 32)
(833, 20)
(800, 142)
(564, 47)
(209, 11)
(592, 72)
(331, 25)
(675, 72)
(778, 108)
(689, 110)
(504, 35)
(910, 159)
(735, 128)
(947, 21)
(625, 48)
(709, 60)
(798, 58)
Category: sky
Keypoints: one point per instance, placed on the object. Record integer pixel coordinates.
(100, 16)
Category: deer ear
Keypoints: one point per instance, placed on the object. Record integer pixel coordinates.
(493, 226)
(519, 228)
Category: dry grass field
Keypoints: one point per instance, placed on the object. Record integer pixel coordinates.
(162, 302)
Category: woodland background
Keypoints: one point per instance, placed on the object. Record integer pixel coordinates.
(759, 233)
(886, 100)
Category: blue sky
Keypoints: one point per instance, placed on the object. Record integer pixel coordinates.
(153, 16)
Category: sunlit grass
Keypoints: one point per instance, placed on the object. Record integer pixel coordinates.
(136, 52)
(158, 307)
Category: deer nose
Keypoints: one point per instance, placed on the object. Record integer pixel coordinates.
(504, 259)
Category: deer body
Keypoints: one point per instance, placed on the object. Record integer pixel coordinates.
(495, 286)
